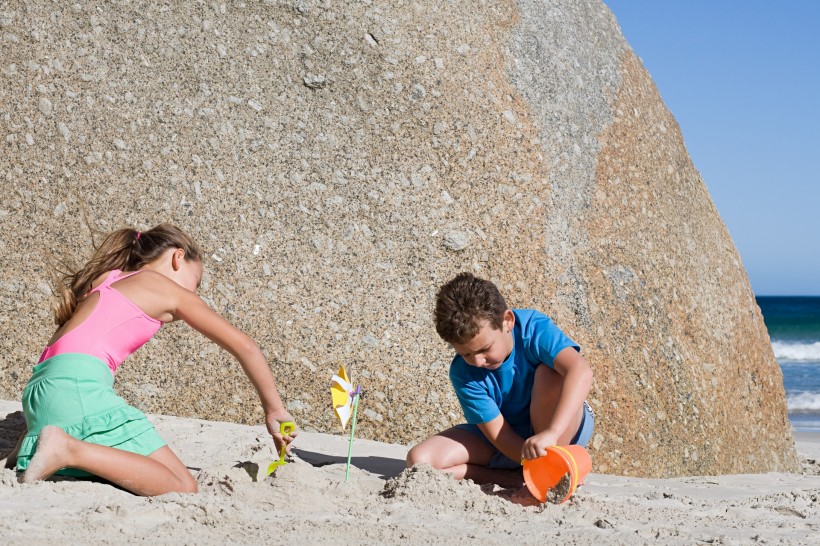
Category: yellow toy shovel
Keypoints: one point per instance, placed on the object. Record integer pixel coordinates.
(285, 428)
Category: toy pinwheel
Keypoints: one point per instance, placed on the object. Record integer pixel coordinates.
(345, 402)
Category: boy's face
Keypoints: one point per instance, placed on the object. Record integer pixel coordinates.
(490, 347)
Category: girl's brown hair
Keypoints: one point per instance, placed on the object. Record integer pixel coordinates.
(125, 249)
(463, 304)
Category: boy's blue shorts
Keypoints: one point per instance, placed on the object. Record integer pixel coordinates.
(499, 460)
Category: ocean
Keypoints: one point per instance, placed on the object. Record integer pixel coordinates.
(794, 328)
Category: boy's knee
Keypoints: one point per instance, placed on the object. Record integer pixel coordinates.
(547, 384)
(544, 373)
(417, 455)
(413, 456)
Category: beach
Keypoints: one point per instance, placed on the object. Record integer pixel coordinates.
(307, 501)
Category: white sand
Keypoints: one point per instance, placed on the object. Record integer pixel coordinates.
(306, 504)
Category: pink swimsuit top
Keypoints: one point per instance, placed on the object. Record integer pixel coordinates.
(115, 328)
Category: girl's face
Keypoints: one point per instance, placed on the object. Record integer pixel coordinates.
(490, 347)
(174, 265)
(189, 274)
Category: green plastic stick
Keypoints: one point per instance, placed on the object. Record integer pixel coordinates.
(352, 430)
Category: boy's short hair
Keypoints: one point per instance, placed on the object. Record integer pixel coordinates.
(463, 303)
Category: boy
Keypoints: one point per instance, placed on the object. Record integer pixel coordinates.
(521, 382)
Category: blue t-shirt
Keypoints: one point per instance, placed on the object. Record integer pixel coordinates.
(484, 393)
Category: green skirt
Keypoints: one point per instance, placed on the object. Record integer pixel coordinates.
(76, 393)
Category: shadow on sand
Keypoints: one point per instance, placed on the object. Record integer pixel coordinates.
(385, 467)
(11, 427)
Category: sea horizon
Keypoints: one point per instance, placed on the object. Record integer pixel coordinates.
(787, 295)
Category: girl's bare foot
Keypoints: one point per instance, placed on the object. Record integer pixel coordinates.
(52, 446)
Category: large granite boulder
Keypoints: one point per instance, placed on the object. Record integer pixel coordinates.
(340, 160)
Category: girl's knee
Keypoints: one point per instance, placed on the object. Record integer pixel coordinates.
(188, 484)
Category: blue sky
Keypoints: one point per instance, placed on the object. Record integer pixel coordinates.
(742, 78)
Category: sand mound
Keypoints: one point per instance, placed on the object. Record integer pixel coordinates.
(8, 478)
(424, 485)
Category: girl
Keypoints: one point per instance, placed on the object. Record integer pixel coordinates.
(135, 282)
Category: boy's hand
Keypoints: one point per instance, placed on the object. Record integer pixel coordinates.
(273, 421)
(535, 446)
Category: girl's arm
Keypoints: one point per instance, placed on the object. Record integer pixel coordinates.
(189, 307)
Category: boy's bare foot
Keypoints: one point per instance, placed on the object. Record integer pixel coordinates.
(52, 445)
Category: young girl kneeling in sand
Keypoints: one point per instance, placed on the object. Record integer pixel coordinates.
(133, 284)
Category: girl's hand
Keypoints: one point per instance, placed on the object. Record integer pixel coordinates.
(274, 420)
(536, 446)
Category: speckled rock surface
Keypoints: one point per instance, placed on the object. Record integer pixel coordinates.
(338, 161)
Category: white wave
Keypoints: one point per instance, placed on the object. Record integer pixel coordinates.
(806, 426)
(803, 402)
(796, 352)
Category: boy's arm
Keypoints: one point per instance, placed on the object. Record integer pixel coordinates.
(577, 382)
(503, 437)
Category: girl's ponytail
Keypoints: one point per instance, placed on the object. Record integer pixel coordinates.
(125, 249)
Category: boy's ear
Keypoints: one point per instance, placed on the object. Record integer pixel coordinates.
(508, 322)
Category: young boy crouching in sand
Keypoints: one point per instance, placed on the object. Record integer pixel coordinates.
(521, 382)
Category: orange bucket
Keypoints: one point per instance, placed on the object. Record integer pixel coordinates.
(544, 473)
